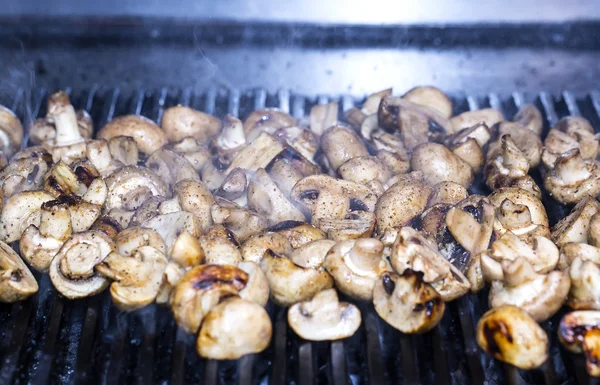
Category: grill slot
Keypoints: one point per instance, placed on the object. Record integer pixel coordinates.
(50, 340)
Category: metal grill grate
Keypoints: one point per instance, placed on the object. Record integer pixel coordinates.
(50, 340)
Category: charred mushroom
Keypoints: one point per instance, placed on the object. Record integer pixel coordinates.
(489, 116)
(579, 332)
(572, 132)
(16, 281)
(407, 303)
(510, 335)
(298, 233)
(324, 317)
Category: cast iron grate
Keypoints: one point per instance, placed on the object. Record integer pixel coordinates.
(50, 340)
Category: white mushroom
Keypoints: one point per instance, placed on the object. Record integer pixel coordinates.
(180, 122)
(170, 226)
(574, 227)
(573, 178)
(265, 197)
(257, 287)
(16, 281)
(439, 164)
(254, 248)
(20, 211)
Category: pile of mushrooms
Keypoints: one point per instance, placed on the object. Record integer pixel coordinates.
(213, 218)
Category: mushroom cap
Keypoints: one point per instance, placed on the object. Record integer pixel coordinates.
(363, 169)
(136, 288)
(574, 227)
(510, 335)
(298, 233)
(257, 287)
(255, 247)
(196, 153)
(72, 269)
(430, 97)
(171, 166)
(530, 117)
(124, 149)
(24, 174)
(223, 336)
(291, 283)
(16, 281)
(403, 201)
(130, 186)
(407, 303)
(220, 246)
(439, 164)
(20, 211)
(257, 154)
(180, 122)
(355, 265)
(187, 251)
(147, 134)
(194, 197)
(447, 193)
(341, 143)
(489, 116)
(357, 224)
(200, 289)
(540, 295)
(324, 317)
(579, 332)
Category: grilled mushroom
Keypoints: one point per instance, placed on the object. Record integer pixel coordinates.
(572, 132)
(530, 117)
(137, 278)
(24, 174)
(489, 116)
(194, 197)
(265, 197)
(255, 247)
(131, 186)
(16, 281)
(511, 335)
(130, 239)
(229, 143)
(39, 245)
(365, 170)
(540, 295)
(99, 155)
(170, 226)
(431, 97)
(356, 116)
(594, 231)
(124, 149)
(223, 336)
(324, 317)
(72, 269)
(357, 224)
(519, 211)
(298, 233)
(323, 116)
(584, 271)
(200, 289)
(241, 221)
(20, 211)
(578, 332)
(148, 136)
(257, 287)
(267, 121)
(403, 201)
(11, 132)
(355, 265)
(574, 227)
(44, 130)
(171, 167)
(187, 251)
(439, 164)
(192, 150)
(573, 178)
(180, 122)
(526, 140)
(448, 193)
(291, 283)
(257, 154)
(340, 143)
(301, 139)
(220, 246)
(407, 303)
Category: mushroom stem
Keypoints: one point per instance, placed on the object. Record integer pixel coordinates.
(55, 222)
(366, 254)
(512, 158)
(65, 119)
(571, 168)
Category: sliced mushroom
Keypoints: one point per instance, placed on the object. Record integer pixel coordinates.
(11, 132)
(223, 336)
(324, 317)
(220, 246)
(298, 233)
(439, 164)
(572, 132)
(430, 97)
(241, 221)
(407, 303)
(255, 247)
(258, 154)
(124, 149)
(72, 269)
(98, 153)
(449, 193)
(329, 198)
(312, 255)
(355, 265)
(540, 295)
(539, 251)
(267, 121)
(131, 186)
(511, 216)
(194, 197)
(202, 288)
(291, 283)
(570, 251)
(574, 227)
(234, 186)
(16, 281)
(38, 246)
(301, 139)
(511, 335)
(229, 143)
(340, 143)
(191, 149)
(489, 116)
(585, 292)
(357, 224)
(509, 168)
(323, 116)
(148, 136)
(19, 212)
(180, 122)
(187, 251)
(171, 167)
(594, 231)
(526, 140)
(364, 169)
(268, 200)
(63, 180)
(24, 174)
(530, 117)
(402, 202)
(415, 123)
(573, 178)
(257, 287)
(579, 332)
(170, 226)
(284, 174)
(137, 278)
(130, 239)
